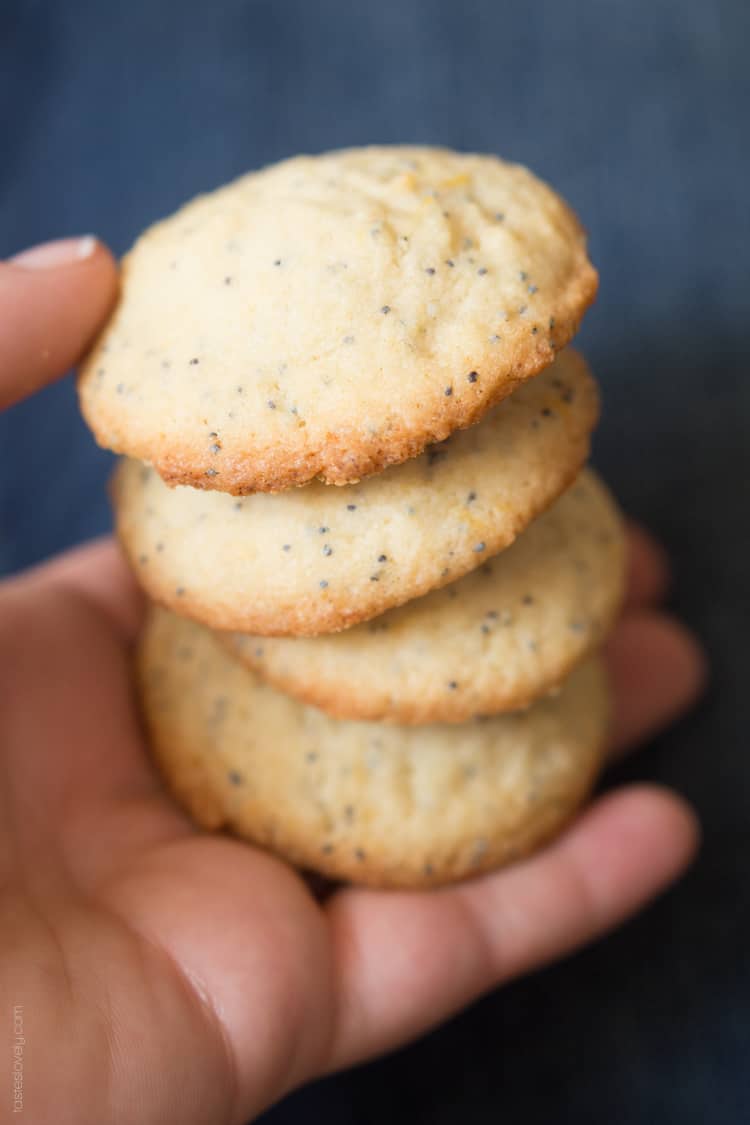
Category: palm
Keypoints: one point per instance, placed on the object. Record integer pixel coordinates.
(141, 916)
(202, 973)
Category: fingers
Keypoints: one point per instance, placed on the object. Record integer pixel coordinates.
(53, 299)
(407, 961)
(99, 572)
(657, 671)
(648, 568)
(656, 666)
(453, 945)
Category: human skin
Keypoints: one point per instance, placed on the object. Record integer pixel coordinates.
(168, 975)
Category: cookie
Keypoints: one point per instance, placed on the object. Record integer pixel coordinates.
(386, 805)
(317, 559)
(333, 315)
(491, 642)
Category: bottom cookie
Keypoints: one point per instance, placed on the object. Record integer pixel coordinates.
(384, 805)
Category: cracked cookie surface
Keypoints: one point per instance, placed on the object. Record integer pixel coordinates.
(332, 315)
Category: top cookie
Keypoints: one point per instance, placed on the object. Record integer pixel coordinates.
(332, 315)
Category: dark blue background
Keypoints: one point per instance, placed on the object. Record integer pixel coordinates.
(112, 114)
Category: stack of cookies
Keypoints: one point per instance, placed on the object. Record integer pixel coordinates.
(354, 484)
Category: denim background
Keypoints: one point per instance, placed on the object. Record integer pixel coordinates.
(111, 114)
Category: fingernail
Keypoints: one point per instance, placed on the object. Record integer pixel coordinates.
(63, 252)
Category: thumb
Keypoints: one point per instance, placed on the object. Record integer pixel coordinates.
(53, 299)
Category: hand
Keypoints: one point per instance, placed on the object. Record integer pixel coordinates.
(167, 976)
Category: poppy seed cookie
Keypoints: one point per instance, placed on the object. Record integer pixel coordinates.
(385, 805)
(332, 315)
(318, 559)
(491, 642)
